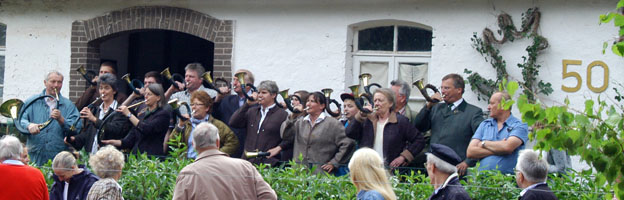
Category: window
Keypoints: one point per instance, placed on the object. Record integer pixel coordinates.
(390, 50)
(2, 56)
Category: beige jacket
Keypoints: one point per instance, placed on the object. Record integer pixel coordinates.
(214, 175)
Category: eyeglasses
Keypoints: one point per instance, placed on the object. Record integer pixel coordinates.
(197, 104)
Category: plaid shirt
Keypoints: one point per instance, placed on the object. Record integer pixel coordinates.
(105, 189)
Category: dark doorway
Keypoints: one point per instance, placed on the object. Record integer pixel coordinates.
(138, 52)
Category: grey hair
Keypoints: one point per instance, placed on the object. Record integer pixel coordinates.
(441, 164)
(64, 161)
(405, 88)
(108, 79)
(196, 67)
(205, 135)
(534, 168)
(10, 148)
(268, 85)
(107, 162)
(389, 94)
(47, 76)
(158, 90)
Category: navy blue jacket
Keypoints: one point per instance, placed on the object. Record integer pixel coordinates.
(453, 191)
(541, 192)
(223, 111)
(79, 185)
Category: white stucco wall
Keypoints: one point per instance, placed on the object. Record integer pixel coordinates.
(303, 44)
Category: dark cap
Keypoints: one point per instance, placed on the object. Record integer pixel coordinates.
(445, 153)
(344, 96)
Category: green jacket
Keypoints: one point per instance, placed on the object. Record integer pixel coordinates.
(228, 141)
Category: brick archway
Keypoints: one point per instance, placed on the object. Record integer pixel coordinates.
(141, 18)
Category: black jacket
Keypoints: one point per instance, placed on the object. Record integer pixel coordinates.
(453, 191)
(148, 136)
(223, 111)
(79, 185)
(541, 192)
(114, 124)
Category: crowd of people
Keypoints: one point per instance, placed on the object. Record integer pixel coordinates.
(226, 133)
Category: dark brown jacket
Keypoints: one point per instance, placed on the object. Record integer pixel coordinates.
(269, 135)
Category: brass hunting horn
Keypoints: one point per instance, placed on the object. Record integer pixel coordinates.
(327, 92)
(241, 79)
(423, 90)
(365, 79)
(172, 78)
(88, 75)
(287, 100)
(209, 83)
(134, 83)
(361, 99)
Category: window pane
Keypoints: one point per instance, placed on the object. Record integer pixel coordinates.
(378, 38)
(379, 71)
(2, 35)
(413, 39)
(411, 72)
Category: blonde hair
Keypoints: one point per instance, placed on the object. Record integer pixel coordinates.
(368, 173)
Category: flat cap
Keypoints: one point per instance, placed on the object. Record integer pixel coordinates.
(445, 153)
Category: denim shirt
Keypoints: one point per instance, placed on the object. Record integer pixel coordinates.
(369, 195)
(46, 144)
(488, 131)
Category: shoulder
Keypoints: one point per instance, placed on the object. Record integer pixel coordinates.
(369, 195)
(472, 108)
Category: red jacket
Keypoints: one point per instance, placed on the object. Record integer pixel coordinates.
(22, 182)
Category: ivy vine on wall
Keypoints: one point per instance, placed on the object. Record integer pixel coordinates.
(488, 45)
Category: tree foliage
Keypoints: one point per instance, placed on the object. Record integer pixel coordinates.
(617, 47)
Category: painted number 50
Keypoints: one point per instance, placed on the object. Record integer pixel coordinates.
(577, 76)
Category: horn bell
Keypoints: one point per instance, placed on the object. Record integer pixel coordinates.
(241, 77)
(206, 76)
(11, 107)
(284, 93)
(355, 90)
(127, 78)
(365, 78)
(327, 92)
(419, 84)
(166, 73)
(82, 70)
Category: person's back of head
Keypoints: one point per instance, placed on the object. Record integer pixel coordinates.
(533, 168)
(64, 161)
(10, 148)
(367, 173)
(107, 162)
(205, 135)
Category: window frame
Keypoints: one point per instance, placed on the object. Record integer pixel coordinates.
(3, 53)
(395, 24)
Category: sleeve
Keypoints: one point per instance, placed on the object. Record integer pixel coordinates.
(154, 124)
(181, 192)
(288, 132)
(345, 145)
(354, 129)
(115, 126)
(27, 111)
(128, 141)
(80, 140)
(263, 189)
(229, 141)
(477, 118)
(423, 121)
(479, 133)
(239, 118)
(180, 131)
(416, 142)
(87, 97)
(521, 131)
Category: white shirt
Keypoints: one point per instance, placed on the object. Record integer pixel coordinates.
(531, 187)
(456, 103)
(12, 162)
(448, 179)
(65, 189)
(319, 119)
(378, 144)
(263, 113)
(95, 146)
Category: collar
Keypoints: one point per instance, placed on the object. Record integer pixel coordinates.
(402, 111)
(508, 122)
(456, 103)
(391, 119)
(267, 108)
(208, 153)
(448, 179)
(320, 118)
(13, 162)
(111, 106)
(197, 121)
(531, 187)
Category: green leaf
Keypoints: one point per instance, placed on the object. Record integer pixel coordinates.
(607, 18)
(512, 87)
(618, 49)
(566, 101)
(621, 32)
(581, 120)
(542, 133)
(613, 119)
(618, 20)
(620, 4)
(589, 106)
(604, 47)
(574, 135)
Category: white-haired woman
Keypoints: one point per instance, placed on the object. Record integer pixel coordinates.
(71, 181)
(107, 163)
(369, 176)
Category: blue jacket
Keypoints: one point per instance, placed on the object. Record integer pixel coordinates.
(452, 191)
(79, 185)
(49, 142)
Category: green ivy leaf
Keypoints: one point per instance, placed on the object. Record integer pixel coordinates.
(574, 135)
(581, 120)
(589, 105)
(613, 119)
(512, 87)
(620, 4)
(606, 18)
(542, 133)
(618, 49)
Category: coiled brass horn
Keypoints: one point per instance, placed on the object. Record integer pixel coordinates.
(328, 100)
(241, 80)
(361, 99)
(176, 104)
(423, 90)
(91, 107)
(87, 74)
(288, 101)
(256, 154)
(365, 79)
(172, 78)
(10, 109)
(209, 83)
(134, 83)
